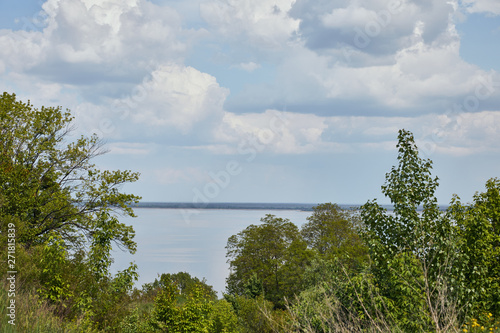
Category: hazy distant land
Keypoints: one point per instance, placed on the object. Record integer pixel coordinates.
(249, 205)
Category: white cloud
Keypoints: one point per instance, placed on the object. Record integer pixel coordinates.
(276, 131)
(108, 12)
(465, 133)
(416, 77)
(482, 6)
(348, 17)
(264, 22)
(178, 96)
(419, 72)
(91, 56)
(95, 53)
(377, 28)
(106, 39)
(413, 64)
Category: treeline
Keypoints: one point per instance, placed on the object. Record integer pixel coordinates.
(416, 269)
(227, 205)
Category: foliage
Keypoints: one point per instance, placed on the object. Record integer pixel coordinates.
(52, 186)
(137, 321)
(486, 324)
(34, 314)
(253, 287)
(334, 233)
(254, 314)
(275, 252)
(53, 262)
(416, 278)
(414, 254)
(340, 300)
(223, 317)
(65, 213)
(479, 228)
(184, 282)
(198, 313)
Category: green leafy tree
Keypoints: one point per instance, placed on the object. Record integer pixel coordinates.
(334, 233)
(253, 287)
(197, 311)
(183, 281)
(479, 228)
(254, 314)
(274, 252)
(340, 300)
(65, 212)
(50, 184)
(414, 251)
(224, 318)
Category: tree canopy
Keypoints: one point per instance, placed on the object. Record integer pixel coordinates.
(274, 251)
(335, 233)
(51, 185)
(65, 212)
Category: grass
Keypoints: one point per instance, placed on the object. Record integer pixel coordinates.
(32, 315)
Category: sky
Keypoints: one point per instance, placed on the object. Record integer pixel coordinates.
(266, 100)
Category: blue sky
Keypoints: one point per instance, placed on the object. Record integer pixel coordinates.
(266, 100)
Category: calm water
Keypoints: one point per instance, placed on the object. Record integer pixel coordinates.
(172, 240)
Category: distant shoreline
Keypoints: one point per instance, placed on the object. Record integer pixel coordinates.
(227, 205)
(307, 207)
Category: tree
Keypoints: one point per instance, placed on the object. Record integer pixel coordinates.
(198, 311)
(409, 186)
(414, 251)
(183, 281)
(334, 233)
(65, 210)
(51, 185)
(338, 300)
(479, 229)
(274, 252)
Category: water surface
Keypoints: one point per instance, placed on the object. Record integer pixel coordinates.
(175, 240)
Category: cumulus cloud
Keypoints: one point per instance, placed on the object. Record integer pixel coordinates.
(177, 96)
(421, 71)
(463, 133)
(276, 131)
(374, 27)
(120, 65)
(420, 79)
(265, 23)
(173, 99)
(91, 55)
(83, 42)
(482, 6)
(349, 17)
(295, 133)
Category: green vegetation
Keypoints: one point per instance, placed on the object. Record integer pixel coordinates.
(275, 253)
(415, 269)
